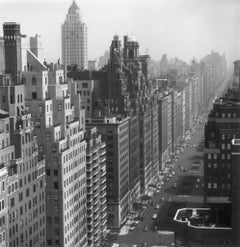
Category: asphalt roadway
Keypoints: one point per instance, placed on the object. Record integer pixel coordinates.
(185, 188)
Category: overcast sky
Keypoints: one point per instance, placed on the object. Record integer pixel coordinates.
(180, 28)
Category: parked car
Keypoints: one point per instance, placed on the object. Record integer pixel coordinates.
(157, 206)
(154, 216)
(145, 229)
(162, 199)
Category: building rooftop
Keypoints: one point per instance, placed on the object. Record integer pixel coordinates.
(203, 218)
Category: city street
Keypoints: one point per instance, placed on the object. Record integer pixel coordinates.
(184, 188)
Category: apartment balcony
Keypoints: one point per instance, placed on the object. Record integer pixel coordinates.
(95, 192)
(89, 160)
(89, 206)
(95, 200)
(95, 171)
(89, 191)
(103, 200)
(95, 187)
(95, 210)
(90, 222)
(89, 183)
(89, 198)
(95, 156)
(103, 145)
(96, 237)
(104, 187)
(95, 178)
(103, 179)
(102, 158)
(96, 221)
(89, 175)
(90, 236)
(104, 226)
(104, 214)
(103, 172)
(102, 152)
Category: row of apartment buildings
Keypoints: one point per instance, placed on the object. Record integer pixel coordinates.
(88, 144)
(217, 224)
(53, 167)
(162, 114)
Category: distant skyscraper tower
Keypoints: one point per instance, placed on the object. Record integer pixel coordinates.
(12, 44)
(74, 39)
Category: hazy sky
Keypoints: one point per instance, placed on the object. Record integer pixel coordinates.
(180, 28)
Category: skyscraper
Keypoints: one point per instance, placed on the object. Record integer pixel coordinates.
(12, 45)
(74, 39)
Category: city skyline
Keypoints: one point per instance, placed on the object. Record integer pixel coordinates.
(178, 28)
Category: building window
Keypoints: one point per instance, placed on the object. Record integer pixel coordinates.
(215, 165)
(12, 202)
(215, 156)
(47, 136)
(215, 186)
(55, 185)
(223, 146)
(85, 85)
(56, 209)
(209, 165)
(209, 185)
(34, 95)
(48, 172)
(209, 156)
(57, 231)
(34, 80)
(59, 107)
(49, 242)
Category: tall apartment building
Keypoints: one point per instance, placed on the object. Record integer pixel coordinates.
(176, 119)
(26, 170)
(85, 88)
(2, 56)
(5, 151)
(235, 220)
(96, 187)
(145, 149)
(36, 46)
(165, 102)
(115, 133)
(74, 39)
(155, 141)
(60, 130)
(134, 160)
(222, 127)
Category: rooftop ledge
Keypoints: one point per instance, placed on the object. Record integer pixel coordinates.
(197, 218)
